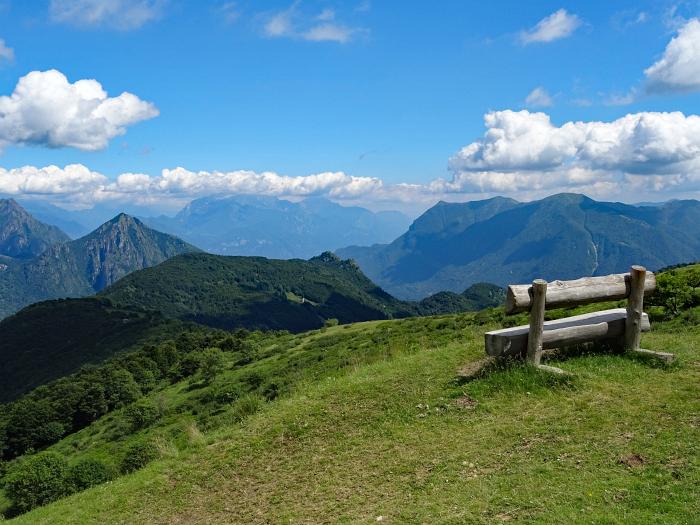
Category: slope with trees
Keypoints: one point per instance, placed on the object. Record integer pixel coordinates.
(564, 236)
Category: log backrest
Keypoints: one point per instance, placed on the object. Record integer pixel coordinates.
(519, 297)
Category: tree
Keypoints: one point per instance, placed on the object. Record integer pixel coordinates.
(30, 425)
(87, 473)
(212, 363)
(36, 481)
(673, 292)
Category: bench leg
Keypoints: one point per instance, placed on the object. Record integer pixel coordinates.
(534, 339)
(633, 322)
(635, 305)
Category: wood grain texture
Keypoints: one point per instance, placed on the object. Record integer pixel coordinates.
(573, 293)
(513, 341)
(635, 305)
(534, 338)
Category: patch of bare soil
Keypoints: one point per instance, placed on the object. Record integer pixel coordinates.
(632, 461)
(466, 402)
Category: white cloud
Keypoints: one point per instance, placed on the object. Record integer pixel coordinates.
(6, 53)
(625, 19)
(50, 180)
(559, 24)
(539, 98)
(678, 70)
(333, 184)
(641, 156)
(120, 14)
(78, 185)
(280, 24)
(292, 23)
(521, 151)
(329, 33)
(45, 109)
(229, 12)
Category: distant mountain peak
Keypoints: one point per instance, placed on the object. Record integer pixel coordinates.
(563, 236)
(10, 204)
(125, 219)
(21, 235)
(267, 226)
(81, 267)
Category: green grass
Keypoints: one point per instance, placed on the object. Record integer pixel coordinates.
(372, 420)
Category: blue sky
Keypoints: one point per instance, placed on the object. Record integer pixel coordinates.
(384, 91)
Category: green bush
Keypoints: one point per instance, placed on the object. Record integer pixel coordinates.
(211, 364)
(88, 473)
(138, 456)
(246, 405)
(140, 415)
(36, 481)
(330, 322)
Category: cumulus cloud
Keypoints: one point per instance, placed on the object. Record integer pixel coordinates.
(678, 70)
(559, 24)
(73, 180)
(522, 153)
(539, 98)
(6, 53)
(77, 184)
(332, 184)
(119, 14)
(46, 109)
(523, 150)
(291, 23)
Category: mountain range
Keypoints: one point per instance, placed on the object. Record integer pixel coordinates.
(276, 228)
(502, 241)
(74, 268)
(57, 337)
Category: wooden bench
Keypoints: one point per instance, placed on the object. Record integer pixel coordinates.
(619, 326)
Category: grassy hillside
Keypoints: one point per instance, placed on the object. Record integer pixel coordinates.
(54, 338)
(51, 339)
(350, 423)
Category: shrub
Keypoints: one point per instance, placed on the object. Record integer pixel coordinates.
(36, 481)
(212, 363)
(141, 415)
(330, 322)
(246, 405)
(88, 473)
(138, 456)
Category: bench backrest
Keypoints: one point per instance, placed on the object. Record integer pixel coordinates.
(577, 292)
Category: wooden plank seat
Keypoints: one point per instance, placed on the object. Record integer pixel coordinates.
(622, 326)
(596, 326)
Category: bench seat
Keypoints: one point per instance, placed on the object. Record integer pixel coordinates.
(596, 326)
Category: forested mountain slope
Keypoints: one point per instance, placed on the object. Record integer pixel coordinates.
(86, 265)
(564, 236)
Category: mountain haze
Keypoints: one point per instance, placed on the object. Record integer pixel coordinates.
(502, 241)
(276, 228)
(86, 265)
